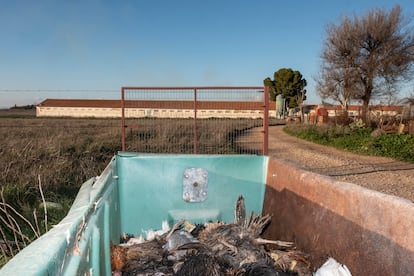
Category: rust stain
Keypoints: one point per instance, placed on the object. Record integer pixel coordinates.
(356, 226)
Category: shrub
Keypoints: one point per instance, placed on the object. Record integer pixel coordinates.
(398, 146)
(358, 139)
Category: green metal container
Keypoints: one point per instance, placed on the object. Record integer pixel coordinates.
(370, 232)
(137, 192)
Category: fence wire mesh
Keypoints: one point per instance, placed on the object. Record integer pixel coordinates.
(205, 120)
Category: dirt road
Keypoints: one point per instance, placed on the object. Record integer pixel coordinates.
(378, 173)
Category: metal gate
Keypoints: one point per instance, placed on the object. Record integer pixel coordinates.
(208, 120)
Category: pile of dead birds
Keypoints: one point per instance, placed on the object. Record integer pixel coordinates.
(215, 248)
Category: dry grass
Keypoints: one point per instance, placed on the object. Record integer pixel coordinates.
(214, 136)
(58, 153)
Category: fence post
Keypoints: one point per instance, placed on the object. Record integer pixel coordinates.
(195, 121)
(266, 121)
(123, 117)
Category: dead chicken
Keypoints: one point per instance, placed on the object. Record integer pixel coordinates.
(203, 262)
(252, 269)
(239, 243)
(140, 258)
(216, 248)
(144, 258)
(199, 261)
(292, 260)
(148, 257)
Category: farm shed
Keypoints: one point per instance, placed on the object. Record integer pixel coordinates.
(322, 113)
(150, 108)
(375, 110)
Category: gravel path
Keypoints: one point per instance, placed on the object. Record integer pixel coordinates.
(377, 173)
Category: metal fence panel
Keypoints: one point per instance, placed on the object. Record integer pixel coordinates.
(208, 120)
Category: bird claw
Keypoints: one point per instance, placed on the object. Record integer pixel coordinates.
(176, 226)
(232, 247)
(279, 243)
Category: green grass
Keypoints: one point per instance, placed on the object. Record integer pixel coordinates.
(358, 140)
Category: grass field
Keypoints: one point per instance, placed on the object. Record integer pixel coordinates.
(54, 156)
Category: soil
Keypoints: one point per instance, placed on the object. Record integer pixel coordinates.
(382, 174)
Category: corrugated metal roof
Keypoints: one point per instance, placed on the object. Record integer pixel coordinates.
(80, 103)
(170, 104)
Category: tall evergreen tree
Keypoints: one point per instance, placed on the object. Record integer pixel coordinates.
(290, 84)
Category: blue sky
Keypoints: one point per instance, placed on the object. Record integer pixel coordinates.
(90, 49)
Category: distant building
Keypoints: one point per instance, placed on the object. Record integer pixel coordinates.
(375, 110)
(185, 109)
(79, 108)
(322, 114)
(151, 108)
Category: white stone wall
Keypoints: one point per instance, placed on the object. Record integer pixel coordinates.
(80, 112)
(142, 112)
(355, 113)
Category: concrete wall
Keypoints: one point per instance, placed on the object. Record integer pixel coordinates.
(370, 232)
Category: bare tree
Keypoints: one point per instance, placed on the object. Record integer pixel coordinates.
(366, 57)
(333, 84)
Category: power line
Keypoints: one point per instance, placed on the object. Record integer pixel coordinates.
(59, 90)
